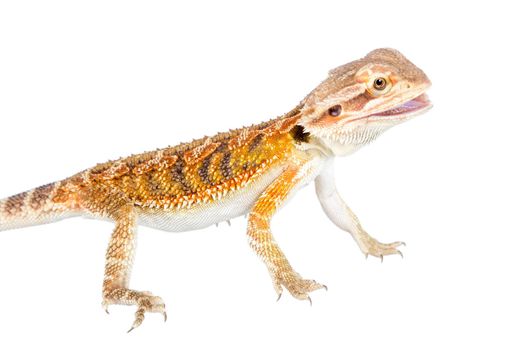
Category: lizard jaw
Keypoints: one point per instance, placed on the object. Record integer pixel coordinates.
(363, 130)
(410, 108)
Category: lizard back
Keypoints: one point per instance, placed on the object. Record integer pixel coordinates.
(180, 181)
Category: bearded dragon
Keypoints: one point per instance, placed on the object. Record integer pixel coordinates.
(251, 170)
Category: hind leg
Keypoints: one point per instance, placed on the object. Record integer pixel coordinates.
(119, 261)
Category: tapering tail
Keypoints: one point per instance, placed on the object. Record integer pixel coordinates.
(38, 206)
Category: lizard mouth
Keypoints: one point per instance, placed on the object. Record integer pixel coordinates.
(410, 108)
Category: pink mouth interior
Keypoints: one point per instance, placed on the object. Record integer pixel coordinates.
(413, 105)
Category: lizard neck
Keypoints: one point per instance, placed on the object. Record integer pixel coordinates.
(336, 141)
(344, 144)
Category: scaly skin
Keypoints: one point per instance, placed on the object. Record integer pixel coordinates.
(249, 170)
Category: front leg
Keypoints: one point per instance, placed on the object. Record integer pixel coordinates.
(260, 236)
(341, 215)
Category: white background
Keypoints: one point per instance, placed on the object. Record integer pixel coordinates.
(83, 82)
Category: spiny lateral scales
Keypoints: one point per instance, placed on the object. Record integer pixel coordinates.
(251, 170)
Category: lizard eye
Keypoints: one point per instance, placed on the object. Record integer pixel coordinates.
(380, 83)
(335, 111)
(379, 86)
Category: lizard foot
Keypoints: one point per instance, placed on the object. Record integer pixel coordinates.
(295, 284)
(375, 248)
(145, 302)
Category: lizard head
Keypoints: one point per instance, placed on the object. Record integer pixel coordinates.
(361, 99)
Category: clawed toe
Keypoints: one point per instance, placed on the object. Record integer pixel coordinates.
(380, 250)
(145, 302)
(296, 285)
(148, 303)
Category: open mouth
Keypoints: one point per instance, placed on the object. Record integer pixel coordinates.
(410, 107)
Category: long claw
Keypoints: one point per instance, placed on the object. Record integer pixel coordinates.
(366, 255)
(105, 306)
(279, 297)
(381, 258)
(325, 287)
(403, 244)
(145, 302)
(400, 253)
(310, 300)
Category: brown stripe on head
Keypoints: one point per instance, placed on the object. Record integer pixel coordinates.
(14, 204)
(324, 118)
(40, 196)
(358, 102)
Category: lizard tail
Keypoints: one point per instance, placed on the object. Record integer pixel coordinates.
(42, 205)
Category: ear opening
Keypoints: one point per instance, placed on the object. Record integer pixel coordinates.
(299, 134)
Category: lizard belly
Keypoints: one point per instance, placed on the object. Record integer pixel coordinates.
(233, 204)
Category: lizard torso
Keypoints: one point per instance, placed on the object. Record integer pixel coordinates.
(220, 176)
